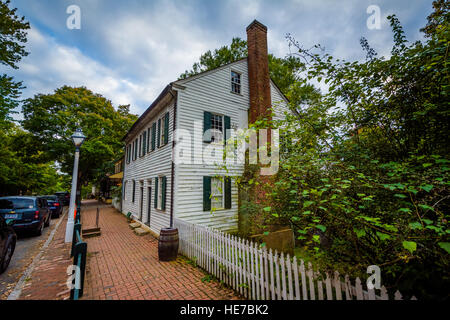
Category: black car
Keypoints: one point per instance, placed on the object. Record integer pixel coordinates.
(7, 243)
(64, 197)
(28, 213)
(54, 205)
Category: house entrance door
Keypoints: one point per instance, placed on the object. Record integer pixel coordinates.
(141, 202)
(149, 204)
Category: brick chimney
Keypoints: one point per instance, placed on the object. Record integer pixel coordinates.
(258, 71)
(260, 102)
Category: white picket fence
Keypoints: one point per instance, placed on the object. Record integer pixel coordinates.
(260, 274)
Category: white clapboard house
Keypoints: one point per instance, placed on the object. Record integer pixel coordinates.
(155, 188)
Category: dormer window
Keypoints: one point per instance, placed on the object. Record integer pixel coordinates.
(235, 82)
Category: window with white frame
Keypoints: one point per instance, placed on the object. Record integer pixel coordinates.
(216, 128)
(148, 139)
(217, 193)
(162, 132)
(235, 82)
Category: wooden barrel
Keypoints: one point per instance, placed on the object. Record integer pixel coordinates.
(168, 244)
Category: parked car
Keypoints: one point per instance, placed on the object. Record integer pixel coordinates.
(64, 197)
(54, 205)
(28, 213)
(7, 243)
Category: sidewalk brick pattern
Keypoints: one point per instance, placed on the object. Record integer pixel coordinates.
(124, 266)
(48, 279)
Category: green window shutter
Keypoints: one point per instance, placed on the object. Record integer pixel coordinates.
(227, 184)
(206, 126)
(227, 126)
(144, 145)
(166, 128)
(134, 191)
(148, 140)
(163, 198)
(140, 145)
(135, 148)
(206, 193)
(156, 192)
(159, 133)
(153, 135)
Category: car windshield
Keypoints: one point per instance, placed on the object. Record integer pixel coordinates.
(16, 203)
(51, 198)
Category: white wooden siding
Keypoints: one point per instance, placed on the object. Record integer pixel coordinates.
(210, 92)
(279, 103)
(146, 169)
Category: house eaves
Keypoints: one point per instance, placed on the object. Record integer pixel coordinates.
(166, 91)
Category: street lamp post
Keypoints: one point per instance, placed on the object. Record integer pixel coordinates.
(78, 139)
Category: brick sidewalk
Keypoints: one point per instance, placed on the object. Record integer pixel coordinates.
(122, 265)
(48, 279)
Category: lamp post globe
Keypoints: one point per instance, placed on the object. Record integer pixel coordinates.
(78, 138)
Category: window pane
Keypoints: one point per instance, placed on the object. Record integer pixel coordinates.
(159, 192)
(217, 202)
(163, 131)
(216, 193)
(216, 127)
(235, 82)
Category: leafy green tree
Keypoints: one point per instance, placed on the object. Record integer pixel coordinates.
(219, 57)
(364, 170)
(12, 37)
(53, 118)
(285, 72)
(23, 168)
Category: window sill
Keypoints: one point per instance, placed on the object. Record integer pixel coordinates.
(238, 94)
(218, 209)
(161, 146)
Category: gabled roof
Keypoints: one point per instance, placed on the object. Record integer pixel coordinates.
(168, 88)
(206, 72)
(163, 93)
(279, 90)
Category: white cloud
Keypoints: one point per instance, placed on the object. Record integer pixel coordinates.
(51, 65)
(129, 51)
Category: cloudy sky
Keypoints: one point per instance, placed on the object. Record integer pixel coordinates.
(129, 50)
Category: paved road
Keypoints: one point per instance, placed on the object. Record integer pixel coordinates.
(27, 247)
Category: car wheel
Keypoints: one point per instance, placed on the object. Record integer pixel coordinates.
(10, 246)
(47, 223)
(41, 228)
